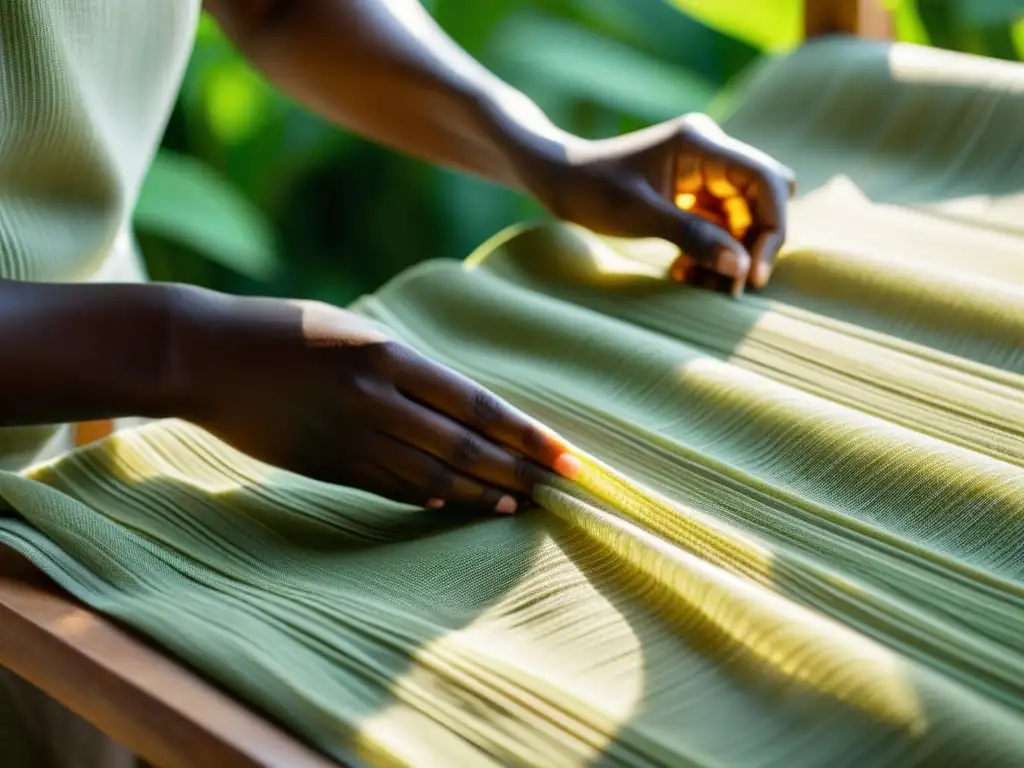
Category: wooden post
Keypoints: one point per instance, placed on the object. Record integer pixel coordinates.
(90, 431)
(861, 18)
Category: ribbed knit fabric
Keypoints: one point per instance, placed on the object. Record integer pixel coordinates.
(799, 538)
(86, 87)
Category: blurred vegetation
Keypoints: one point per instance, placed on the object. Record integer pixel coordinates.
(251, 194)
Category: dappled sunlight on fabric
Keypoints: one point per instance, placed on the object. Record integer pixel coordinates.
(184, 454)
(688, 528)
(609, 262)
(919, 65)
(752, 625)
(554, 657)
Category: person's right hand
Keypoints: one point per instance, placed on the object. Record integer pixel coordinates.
(324, 393)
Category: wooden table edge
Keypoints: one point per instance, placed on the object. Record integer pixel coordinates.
(165, 713)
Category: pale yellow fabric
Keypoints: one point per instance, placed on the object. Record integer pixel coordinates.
(799, 539)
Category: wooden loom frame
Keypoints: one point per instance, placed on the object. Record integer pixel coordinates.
(164, 712)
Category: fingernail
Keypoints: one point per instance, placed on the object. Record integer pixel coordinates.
(679, 268)
(761, 274)
(435, 503)
(737, 287)
(732, 264)
(568, 466)
(506, 505)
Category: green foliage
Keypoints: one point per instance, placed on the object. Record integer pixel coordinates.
(567, 57)
(769, 26)
(252, 194)
(184, 200)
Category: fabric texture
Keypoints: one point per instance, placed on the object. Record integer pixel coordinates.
(86, 87)
(799, 537)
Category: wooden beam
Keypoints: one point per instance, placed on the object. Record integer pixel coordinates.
(161, 711)
(861, 18)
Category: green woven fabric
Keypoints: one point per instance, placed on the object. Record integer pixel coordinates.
(799, 536)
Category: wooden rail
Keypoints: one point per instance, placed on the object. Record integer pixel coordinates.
(165, 713)
(862, 18)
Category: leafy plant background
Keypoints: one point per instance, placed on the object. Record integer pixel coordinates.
(251, 194)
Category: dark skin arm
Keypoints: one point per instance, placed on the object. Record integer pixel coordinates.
(79, 352)
(299, 385)
(384, 69)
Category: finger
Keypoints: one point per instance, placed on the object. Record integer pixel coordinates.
(687, 272)
(769, 238)
(464, 449)
(768, 195)
(790, 177)
(434, 479)
(682, 268)
(465, 401)
(700, 239)
(383, 482)
(767, 246)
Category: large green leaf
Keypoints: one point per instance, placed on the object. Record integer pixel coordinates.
(587, 66)
(659, 29)
(907, 22)
(980, 26)
(987, 13)
(771, 25)
(185, 201)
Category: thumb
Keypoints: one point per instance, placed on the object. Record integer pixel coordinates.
(702, 241)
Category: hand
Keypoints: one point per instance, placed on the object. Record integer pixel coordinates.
(722, 202)
(324, 393)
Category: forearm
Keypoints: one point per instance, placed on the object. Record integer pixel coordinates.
(81, 352)
(384, 69)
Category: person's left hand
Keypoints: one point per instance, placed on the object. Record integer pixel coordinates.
(722, 202)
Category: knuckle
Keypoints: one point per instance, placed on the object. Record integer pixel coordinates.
(695, 127)
(467, 451)
(394, 352)
(485, 408)
(370, 391)
(534, 442)
(388, 355)
(526, 474)
(440, 480)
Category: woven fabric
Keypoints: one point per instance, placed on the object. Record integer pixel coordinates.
(799, 535)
